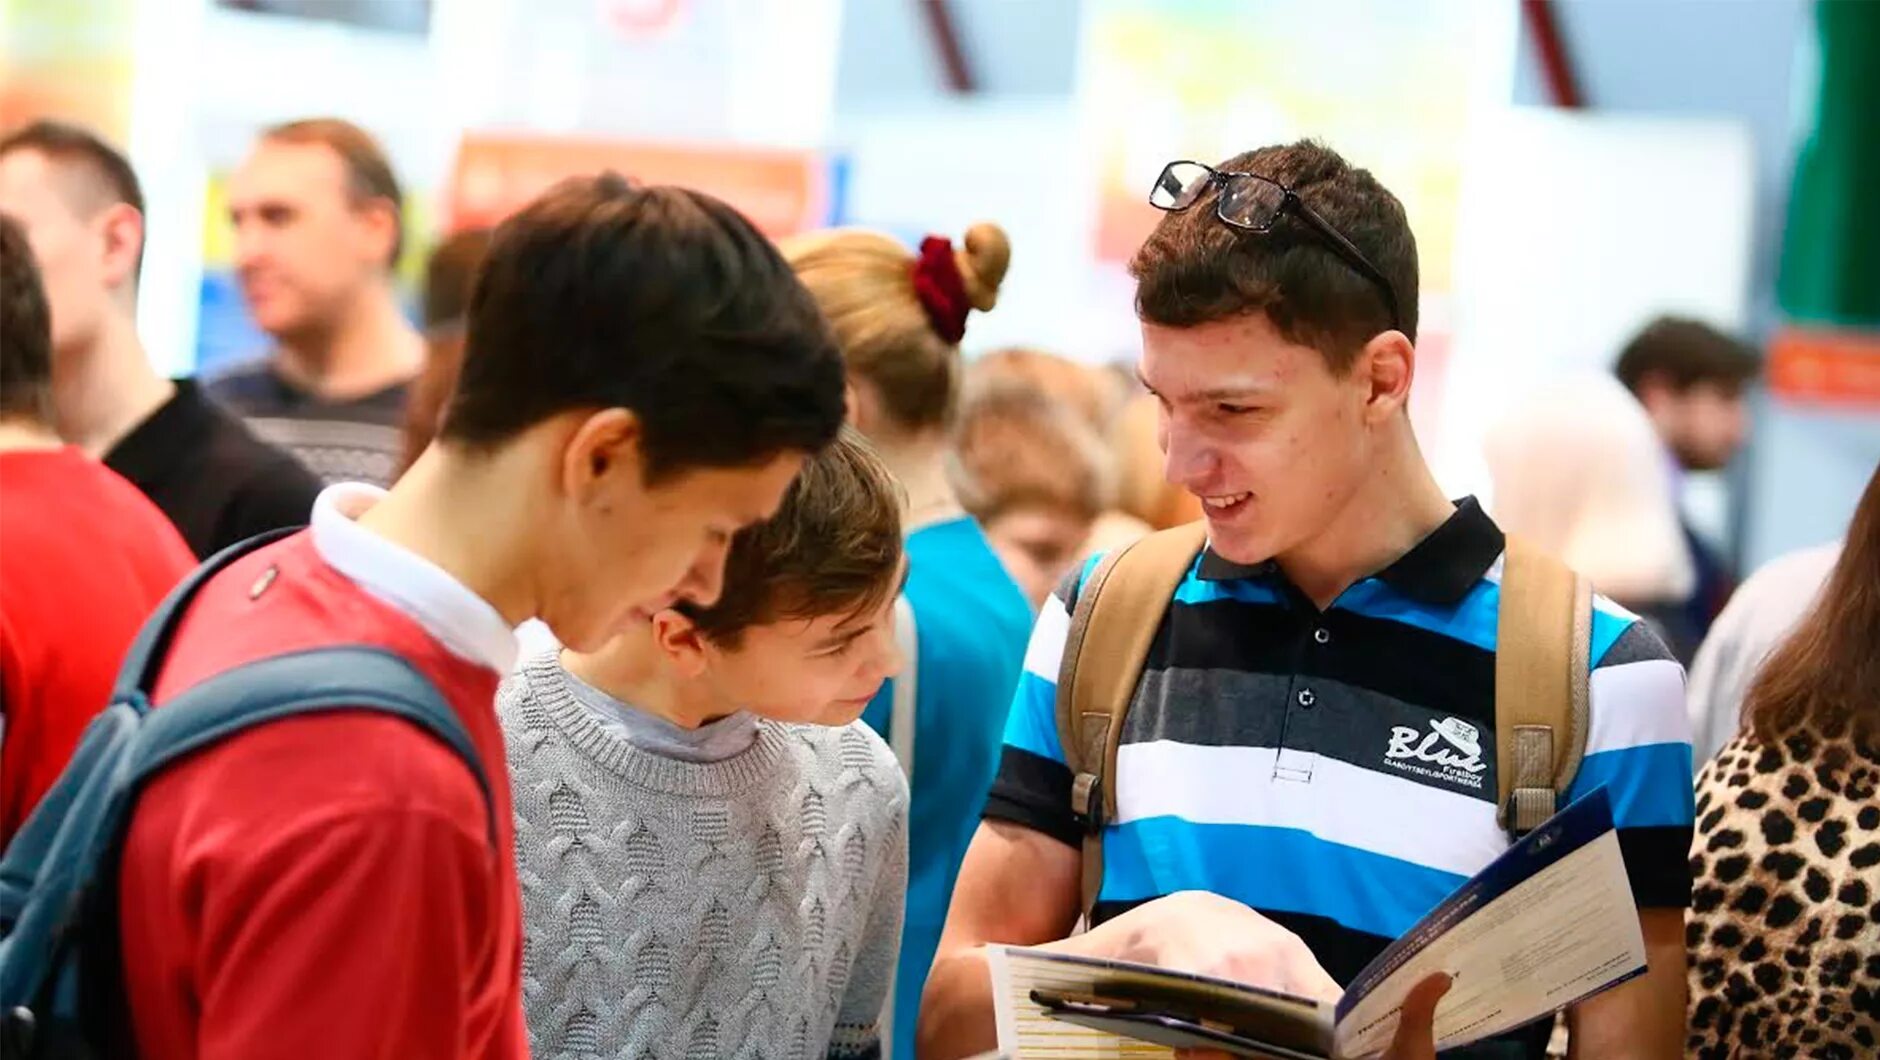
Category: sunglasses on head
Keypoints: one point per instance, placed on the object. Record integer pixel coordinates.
(1253, 203)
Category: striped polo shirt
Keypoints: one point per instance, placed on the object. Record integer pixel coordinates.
(1335, 769)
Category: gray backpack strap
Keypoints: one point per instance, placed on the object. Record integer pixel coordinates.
(1542, 695)
(903, 722)
(349, 678)
(905, 687)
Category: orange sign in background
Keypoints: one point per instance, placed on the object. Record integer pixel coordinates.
(67, 59)
(1826, 366)
(781, 191)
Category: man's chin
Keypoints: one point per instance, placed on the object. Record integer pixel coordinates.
(1239, 544)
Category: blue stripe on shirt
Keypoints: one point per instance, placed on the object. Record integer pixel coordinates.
(1194, 590)
(1649, 786)
(1607, 629)
(1032, 724)
(1473, 621)
(1279, 869)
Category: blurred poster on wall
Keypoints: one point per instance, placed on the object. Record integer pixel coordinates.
(1391, 87)
(67, 59)
(1828, 352)
(780, 190)
(1830, 367)
(1385, 85)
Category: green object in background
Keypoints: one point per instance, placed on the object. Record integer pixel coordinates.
(1831, 251)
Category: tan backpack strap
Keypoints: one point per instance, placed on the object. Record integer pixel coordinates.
(1542, 700)
(1118, 611)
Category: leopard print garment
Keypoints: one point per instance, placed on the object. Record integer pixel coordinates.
(1784, 932)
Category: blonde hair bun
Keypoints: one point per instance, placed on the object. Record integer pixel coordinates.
(983, 257)
(864, 283)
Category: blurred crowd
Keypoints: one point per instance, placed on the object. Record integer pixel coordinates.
(893, 580)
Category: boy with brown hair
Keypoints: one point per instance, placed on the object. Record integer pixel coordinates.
(642, 378)
(712, 848)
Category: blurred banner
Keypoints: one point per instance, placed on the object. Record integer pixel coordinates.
(1386, 85)
(782, 191)
(1822, 366)
(1394, 88)
(1830, 280)
(659, 90)
(67, 58)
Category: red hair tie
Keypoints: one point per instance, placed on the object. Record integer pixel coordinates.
(941, 289)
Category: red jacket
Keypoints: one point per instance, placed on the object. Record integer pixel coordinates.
(322, 886)
(84, 559)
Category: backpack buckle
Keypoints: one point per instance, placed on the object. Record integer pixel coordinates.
(1087, 802)
(1527, 809)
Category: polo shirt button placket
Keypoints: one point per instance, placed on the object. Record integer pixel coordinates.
(1307, 698)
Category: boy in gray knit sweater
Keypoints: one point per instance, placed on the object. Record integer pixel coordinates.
(712, 849)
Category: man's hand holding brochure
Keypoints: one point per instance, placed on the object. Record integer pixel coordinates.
(1547, 924)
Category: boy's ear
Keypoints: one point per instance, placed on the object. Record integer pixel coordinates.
(1388, 364)
(680, 641)
(603, 446)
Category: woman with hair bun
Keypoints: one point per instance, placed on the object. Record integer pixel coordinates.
(899, 317)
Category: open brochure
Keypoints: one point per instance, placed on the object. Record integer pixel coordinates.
(1548, 923)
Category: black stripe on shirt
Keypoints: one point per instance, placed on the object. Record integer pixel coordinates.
(1035, 792)
(1394, 659)
(1657, 862)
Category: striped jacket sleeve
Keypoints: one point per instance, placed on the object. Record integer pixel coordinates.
(1639, 748)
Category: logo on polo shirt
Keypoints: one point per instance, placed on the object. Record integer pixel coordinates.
(1451, 750)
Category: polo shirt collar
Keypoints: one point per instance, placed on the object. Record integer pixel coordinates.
(1440, 569)
(457, 618)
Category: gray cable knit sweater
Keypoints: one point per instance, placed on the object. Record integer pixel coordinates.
(746, 908)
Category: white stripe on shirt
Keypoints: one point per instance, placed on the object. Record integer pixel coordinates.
(1345, 804)
(1637, 704)
(1046, 651)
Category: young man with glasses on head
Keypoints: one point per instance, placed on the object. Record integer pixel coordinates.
(1262, 833)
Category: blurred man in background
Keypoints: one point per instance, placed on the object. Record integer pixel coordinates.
(1692, 378)
(316, 210)
(1575, 468)
(83, 212)
(86, 557)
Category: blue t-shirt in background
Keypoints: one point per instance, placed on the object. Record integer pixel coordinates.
(973, 624)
